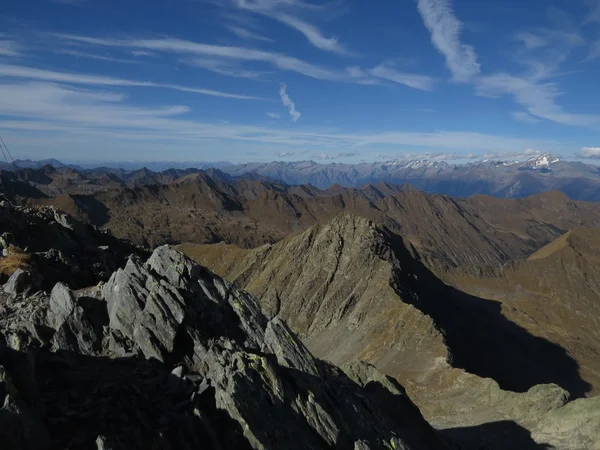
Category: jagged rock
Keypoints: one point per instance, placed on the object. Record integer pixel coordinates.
(60, 247)
(18, 282)
(248, 383)
(176, 382)
(101, 443)
(149, 303)
(574, 426)
(61, 305)
(288, 349)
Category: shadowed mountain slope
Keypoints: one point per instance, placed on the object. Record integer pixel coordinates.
(555, 293)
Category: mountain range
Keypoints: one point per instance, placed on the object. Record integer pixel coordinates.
(504, 179)
(371, 317)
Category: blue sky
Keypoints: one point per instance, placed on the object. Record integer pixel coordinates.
(258, 80)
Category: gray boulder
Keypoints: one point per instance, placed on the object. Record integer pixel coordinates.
(18, 282)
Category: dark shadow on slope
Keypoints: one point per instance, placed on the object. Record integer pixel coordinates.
(492, 436)
(481, 340)
(74, 253)
(15, 190)
(138, 404)
(133, 403)
(95, 211)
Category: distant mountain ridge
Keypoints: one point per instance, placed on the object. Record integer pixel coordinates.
(211, 206)
(504, 179)
(498, 178)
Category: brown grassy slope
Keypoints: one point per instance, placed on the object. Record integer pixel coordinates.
(339, 287)
(447, 232)
(352, 290)
(555, 294)
(333, 287)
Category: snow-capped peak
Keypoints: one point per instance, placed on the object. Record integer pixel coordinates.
(417, 163)
(543, 160)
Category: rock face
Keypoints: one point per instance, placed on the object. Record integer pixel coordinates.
(167, 355)
(54, 244)
(575, 426)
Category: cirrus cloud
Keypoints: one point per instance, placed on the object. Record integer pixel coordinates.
(445, 30)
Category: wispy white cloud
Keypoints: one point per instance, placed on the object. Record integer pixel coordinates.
(356, 72)
(450, 140)
(415, 81)
(31, 73)
(445, 30)
(9, 48)
(538, 98)
(279, 60)
(429, 156)
(513, 155)
(285, 154)
(139, 53)
(66, 117)
(594, 12)
(221, 58)
(313, 34)
(283, 11)
(326, 156)
(223, 67)
(244, 33)
(531, 40)
(287, 101)
(522, 116)
(80, 54)
(536, 88)
(594, 52)
(542, 62)
(589, 152)
(438, 157)
(273, 115)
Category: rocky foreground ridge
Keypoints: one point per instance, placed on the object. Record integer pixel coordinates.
(167, 355)
(57, 247)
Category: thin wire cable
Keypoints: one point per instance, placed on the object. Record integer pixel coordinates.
(8, 151)
(4, 154)
(5, 150)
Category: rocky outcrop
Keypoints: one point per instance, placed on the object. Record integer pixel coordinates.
(575, 426)
(57, 247)
(168, 355)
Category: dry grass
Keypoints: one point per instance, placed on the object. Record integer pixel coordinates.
(15, 260)
(552, 247)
